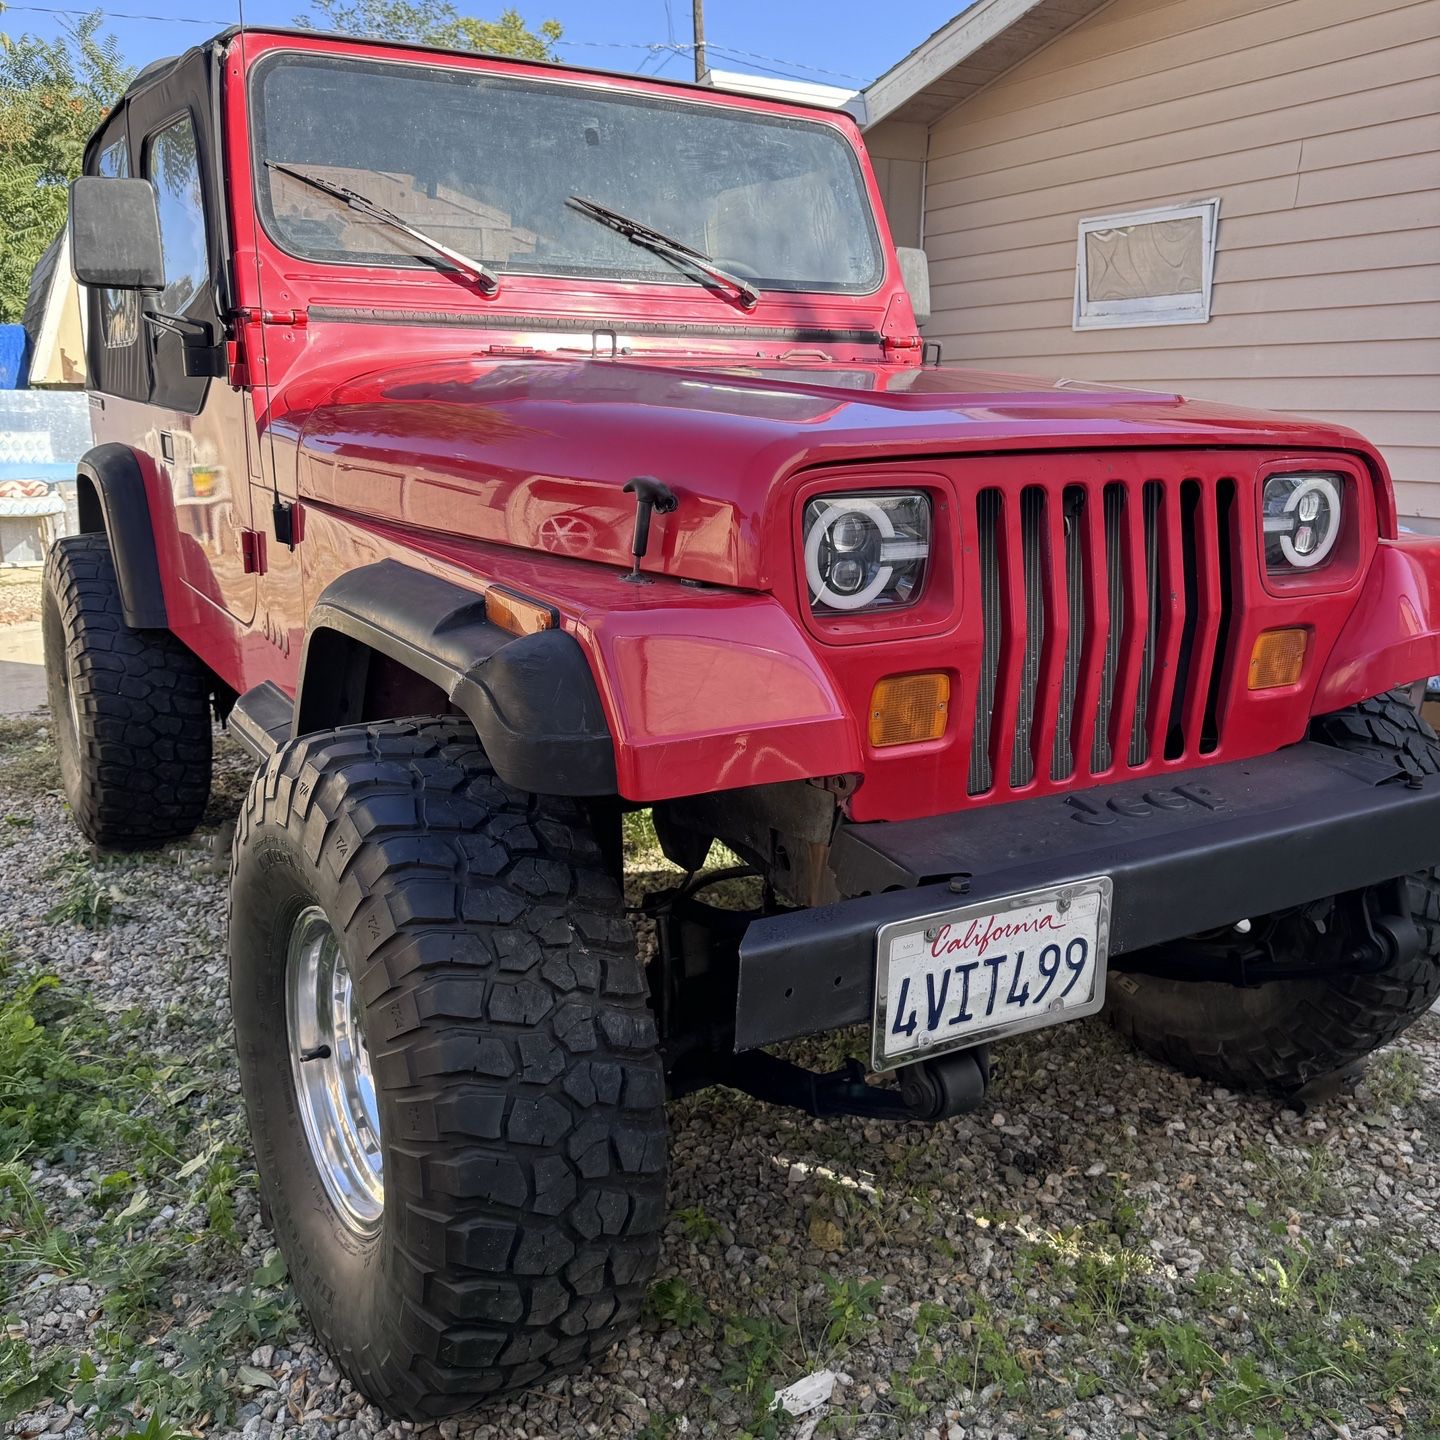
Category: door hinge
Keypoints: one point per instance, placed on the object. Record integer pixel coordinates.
(237, 352)
(252, 552)
(901, 344)
(251, 315)
(237, 367)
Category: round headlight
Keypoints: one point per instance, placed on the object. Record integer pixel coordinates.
(865, 552)
(1302, 520)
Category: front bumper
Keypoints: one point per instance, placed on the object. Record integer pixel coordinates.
(1187, 853)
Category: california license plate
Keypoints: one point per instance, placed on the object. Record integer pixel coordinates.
(947, 981)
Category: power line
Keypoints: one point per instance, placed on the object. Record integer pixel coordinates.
(680, 47)
(674, 46)
(779, 60)
(754, 64)
(116, 15)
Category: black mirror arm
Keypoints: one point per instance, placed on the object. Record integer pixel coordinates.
(188, 330)
(203, 356)
(650, 494)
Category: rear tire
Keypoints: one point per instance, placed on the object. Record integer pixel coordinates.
(1286, 1034)
(511, 1054)
(131, 708)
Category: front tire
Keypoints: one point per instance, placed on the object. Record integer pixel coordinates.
(481, 953)
(131, 708)
(1286, 1034)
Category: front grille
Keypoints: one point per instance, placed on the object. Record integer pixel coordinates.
(1105, 608)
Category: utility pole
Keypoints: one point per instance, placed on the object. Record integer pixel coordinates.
(700, 67)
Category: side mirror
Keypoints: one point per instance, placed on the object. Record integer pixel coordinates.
(115, 234)
(915, 272)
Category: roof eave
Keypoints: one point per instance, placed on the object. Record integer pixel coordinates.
(962, 57)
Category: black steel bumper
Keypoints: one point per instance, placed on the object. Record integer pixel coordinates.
(1187, 853)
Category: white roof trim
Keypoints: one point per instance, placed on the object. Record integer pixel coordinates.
(797, 92)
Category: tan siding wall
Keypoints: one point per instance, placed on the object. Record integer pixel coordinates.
(897, 153)
(1316, 122)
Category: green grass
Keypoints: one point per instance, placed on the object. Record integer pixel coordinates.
(1351, 1332)
(675, 1305)
(91, 896)
(55, 1080)
(28, 767)
(1302, 1179)
(850, 1306)
(1393, 1079)
(103, 1095)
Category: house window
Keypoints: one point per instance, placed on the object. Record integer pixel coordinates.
(1150, 267)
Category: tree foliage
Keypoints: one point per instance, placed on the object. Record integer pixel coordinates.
(53, 94)
(434, 22)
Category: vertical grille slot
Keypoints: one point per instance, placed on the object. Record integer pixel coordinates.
(1033, 566)
(1189, 542)
(1114, 518)
(1062, 757)
(1152, 499)
(987, 522)
(1225, 544)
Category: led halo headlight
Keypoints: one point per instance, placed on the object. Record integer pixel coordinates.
(1301, 518)
(866, 552)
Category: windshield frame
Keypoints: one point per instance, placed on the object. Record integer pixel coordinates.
(571, 80)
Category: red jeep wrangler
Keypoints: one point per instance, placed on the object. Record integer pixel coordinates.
(498, 448)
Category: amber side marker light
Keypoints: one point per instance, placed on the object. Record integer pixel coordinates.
(516, 613)
(1278, 658)
(907, 708)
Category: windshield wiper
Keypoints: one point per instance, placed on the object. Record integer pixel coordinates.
(488, 280)
(667, 246)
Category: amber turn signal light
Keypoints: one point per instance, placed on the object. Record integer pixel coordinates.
(1278, 658)
(516, 613)
(907, 708)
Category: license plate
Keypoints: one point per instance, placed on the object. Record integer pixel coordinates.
(946, 981)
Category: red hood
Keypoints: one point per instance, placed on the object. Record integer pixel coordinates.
(535, 452)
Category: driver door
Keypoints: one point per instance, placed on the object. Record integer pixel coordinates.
(199, 430)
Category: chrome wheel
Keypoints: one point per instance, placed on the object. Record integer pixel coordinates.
(72, 700)
(331, 1066)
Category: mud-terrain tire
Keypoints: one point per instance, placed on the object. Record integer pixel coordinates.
(1286, 1034)
(130, 708)
(516, 1081)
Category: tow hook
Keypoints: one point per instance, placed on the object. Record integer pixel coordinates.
(947, 1085)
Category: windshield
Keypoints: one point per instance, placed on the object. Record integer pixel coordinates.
(486, 163)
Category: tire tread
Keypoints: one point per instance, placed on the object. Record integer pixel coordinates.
(511, 1034)
(1287, 1034)
(142, 763)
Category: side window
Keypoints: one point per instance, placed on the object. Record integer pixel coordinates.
(119, 309)
(172, 165)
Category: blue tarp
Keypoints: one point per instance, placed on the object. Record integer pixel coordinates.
(52, 470)
(14, 356)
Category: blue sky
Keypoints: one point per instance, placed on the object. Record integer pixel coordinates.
(853, 40)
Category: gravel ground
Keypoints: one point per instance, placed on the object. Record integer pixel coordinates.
(1106, 1249)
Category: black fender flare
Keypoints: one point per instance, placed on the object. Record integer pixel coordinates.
(111, 497)
(531, 698)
